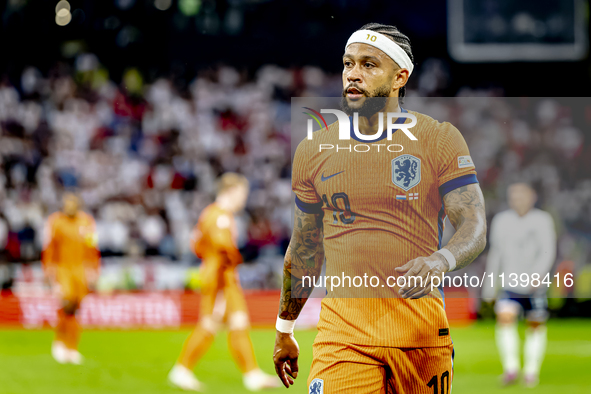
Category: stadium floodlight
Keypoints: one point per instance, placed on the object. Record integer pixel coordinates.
(124, 4)
(63, 17)
(63, 4)
(506, 30)
(162, 5)
(189, 7)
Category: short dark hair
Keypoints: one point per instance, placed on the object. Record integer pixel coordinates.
(395, 35)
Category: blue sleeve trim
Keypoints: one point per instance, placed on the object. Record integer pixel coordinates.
(457, 182)
(309, 208)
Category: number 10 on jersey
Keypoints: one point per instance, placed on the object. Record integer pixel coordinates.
(345, 215)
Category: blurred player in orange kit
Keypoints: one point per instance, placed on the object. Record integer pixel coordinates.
(71, 261)
(222, 299)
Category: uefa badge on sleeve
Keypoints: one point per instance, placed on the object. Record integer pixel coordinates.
(465, 161)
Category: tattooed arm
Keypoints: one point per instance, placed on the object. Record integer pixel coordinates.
(465, 208)
(304, 257)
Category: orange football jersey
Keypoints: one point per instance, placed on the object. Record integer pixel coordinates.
(382, 208)
(71, 242)
(214, 236)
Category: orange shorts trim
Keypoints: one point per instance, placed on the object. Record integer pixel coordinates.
(344, 368)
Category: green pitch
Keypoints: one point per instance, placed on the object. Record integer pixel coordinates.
(138, 361)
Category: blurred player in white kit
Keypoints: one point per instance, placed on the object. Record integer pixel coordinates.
(522, 241)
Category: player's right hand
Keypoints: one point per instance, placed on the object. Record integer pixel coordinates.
(285, 358)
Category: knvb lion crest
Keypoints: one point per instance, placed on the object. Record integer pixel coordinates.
(406, 171)
(316, 386)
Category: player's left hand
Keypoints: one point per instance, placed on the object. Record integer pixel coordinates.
(421, 267)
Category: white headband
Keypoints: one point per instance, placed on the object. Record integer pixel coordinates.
(384, 44)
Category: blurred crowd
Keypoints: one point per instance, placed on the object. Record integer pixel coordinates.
(145, 156)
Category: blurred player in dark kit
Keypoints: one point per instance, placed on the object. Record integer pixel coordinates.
(522, 242)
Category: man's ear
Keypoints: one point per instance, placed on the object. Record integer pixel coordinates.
(400, 78)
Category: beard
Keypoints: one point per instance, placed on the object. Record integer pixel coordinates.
(377, 101)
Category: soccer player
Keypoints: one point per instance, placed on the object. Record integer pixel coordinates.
(522, 242)
(71, 261)
(379, 213)
(214, 241)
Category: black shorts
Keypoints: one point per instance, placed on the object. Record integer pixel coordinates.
(533, 307)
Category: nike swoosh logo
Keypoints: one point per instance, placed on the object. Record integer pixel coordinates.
(324, 178)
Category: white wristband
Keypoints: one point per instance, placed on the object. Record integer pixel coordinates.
(451, 260)
(285, 326)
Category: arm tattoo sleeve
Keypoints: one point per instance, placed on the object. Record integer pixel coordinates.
(465, 208)
(304, 257)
